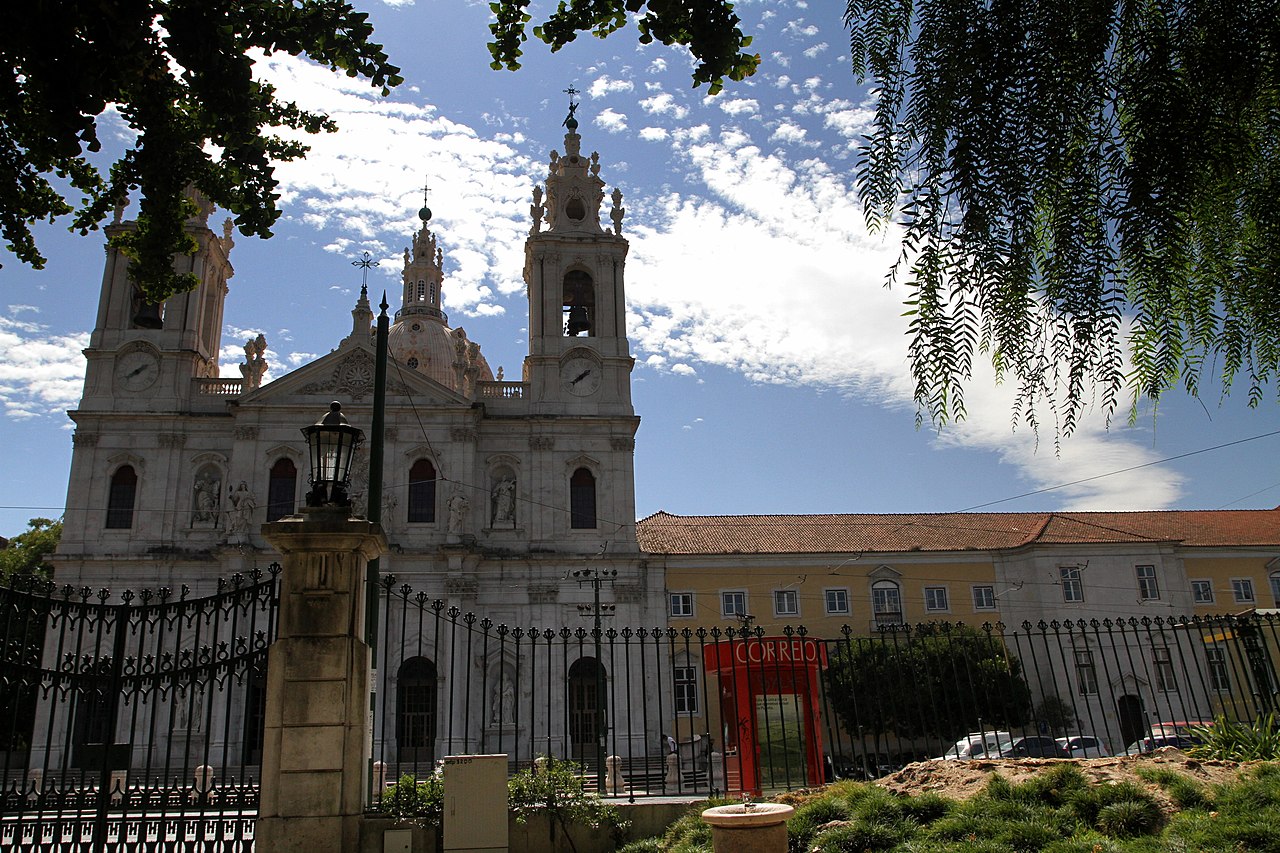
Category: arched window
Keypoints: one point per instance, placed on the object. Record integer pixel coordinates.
(886, 603)
(582, 500)
(282, 486)
(422, 289)
(416, 710)
(579, 303)
(120, 498)
(422, 491)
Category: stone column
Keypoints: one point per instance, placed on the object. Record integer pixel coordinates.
(316, 746)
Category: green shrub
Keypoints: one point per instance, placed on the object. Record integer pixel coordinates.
(927, 807)
(555, 789)
(1128, 818)
(648, 845)
(1087, 803)
(1053, 787)
(410, 801)
(858, 837)
(809, 817)
(1233, 740)
(1185, 792)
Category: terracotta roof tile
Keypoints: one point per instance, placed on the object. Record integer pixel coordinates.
(663, 533)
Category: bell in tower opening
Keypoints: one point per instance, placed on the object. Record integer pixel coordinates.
(579, 300)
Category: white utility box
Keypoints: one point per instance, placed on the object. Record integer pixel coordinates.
(475, 804)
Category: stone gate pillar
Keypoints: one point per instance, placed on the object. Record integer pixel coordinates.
(315, 748)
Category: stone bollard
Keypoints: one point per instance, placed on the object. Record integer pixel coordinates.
(202, 783)
(672, 779)
(749, 827)
(717, 773)
(379, 778)
(613, 781)
(119, 785)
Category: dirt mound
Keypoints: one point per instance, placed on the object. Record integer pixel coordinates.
(960, 780)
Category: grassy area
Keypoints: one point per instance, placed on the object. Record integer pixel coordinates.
(1059, 811)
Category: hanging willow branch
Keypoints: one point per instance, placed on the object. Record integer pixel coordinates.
(1090, 193)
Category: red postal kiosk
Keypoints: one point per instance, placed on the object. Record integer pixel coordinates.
(769, 711)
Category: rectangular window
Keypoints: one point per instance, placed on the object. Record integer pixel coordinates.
(935, 598)
(681, 604)
(1219, 669)
(984, 598)
(733, 603)
(1086, 673)
(786, 602)
(1275, 588)
(1202, 591)
(886, 604)
(1242, 588)
(837, 600)
(1148, 586)
(685, 680)
(1072, 587)
(1162, 660)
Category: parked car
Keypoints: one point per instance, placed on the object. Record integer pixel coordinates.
(1179, 735)
(1034, 746)
(1085, 746)
(975, 745)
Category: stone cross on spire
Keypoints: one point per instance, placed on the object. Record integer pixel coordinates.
(571, 122)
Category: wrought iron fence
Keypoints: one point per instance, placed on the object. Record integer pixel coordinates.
(661, 710)
(134, 723)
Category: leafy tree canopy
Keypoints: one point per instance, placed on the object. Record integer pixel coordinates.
(710, 30)
(942, 681)
(178, 74)
(27, 552)
(1074, 176)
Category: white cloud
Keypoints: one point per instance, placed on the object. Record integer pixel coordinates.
(606, 85)
(811, 52)
(653, 134)
(798, 29)
(740, 106)
(788, 132)
(611, 120)
(40, 374)
(664, 104)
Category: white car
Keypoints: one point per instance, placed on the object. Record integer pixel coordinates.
(976, 745)
(1085, 746)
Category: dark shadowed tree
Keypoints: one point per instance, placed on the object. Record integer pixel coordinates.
(179, 75)
(936, 680)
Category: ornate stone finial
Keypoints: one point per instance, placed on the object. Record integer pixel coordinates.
(618, 211)
(227, 227)
(255, 364)
(536, 210)
(570, 122)
(406, 257)
(118, 214)
(499, 376)
(595, 164)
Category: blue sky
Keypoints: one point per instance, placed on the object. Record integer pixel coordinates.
(771, 368)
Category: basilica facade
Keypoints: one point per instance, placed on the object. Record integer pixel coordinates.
(495, 490)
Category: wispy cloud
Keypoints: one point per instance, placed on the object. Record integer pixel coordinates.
(40, 374)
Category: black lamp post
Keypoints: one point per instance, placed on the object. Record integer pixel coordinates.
(332, 443)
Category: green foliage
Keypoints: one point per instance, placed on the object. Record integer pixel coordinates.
(710, 30)
(1185, 792)
(28, 552)
(178, 73)
(411, 801)
(859, 837)
(1237, 740)
(809, 817)
(939, 681)
(1072, 177)
(555, 789)
(1128, 818)
(1056, 713)
(647, 845)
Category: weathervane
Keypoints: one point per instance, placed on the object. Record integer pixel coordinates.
(365, 262)
(424, 213)
(571, 122)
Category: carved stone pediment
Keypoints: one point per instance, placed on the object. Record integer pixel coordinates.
(353, 377)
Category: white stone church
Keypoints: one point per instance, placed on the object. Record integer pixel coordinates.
(495, 491)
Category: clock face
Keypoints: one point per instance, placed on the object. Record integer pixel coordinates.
(580, 376)
(137, 370)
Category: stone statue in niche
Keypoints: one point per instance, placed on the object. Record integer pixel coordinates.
(206, 499)
(254, 363)
(504, 502)
(458, 506)
(502, 700)
(242, 504)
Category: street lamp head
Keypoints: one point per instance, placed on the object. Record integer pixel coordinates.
(332, 443)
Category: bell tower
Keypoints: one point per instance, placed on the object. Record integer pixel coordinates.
(142, 355)
(579, 359)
